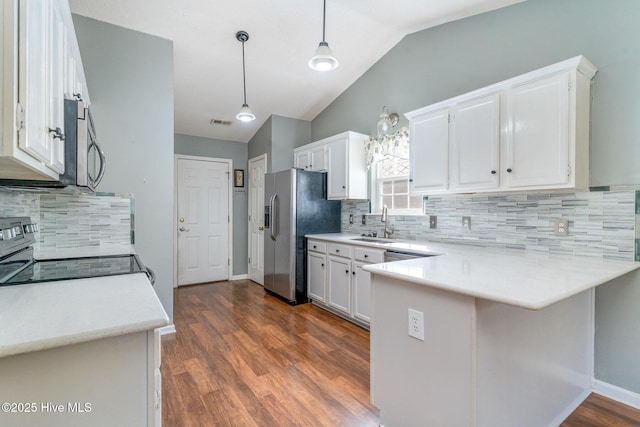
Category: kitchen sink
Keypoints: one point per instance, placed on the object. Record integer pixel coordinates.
(371, 240)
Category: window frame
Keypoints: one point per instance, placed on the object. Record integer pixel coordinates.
(376, 186)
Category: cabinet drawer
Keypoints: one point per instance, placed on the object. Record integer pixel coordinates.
(368, 255)
(316, 246)
(339, 250)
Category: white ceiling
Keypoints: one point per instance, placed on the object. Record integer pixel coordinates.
(283, 36)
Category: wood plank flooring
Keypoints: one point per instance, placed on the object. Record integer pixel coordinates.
(241, 357)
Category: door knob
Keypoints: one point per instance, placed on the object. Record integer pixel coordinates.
(183, 229)
(181, 220)
(260, 228)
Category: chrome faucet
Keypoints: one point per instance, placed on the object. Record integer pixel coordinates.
(388, 231)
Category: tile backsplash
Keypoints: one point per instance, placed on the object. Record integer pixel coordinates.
(73, 220)
(601, 223)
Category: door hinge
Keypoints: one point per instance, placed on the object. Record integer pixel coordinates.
(249, 260)
(249, 217)
(19, 117)
(569, 85)
(448, 118)
(228, 218)
(569, 170)
(228, 261)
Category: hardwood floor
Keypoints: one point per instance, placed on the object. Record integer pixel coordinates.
(241, 357)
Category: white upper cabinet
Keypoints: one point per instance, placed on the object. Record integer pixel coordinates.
(343, 157)
(526, 133)
(429, 147)
(312, 159)
(536, 146)
(475, 144)
(40, 54)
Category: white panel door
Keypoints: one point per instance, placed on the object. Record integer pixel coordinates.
(337, 169)
(475, 138)
(318, 159)
(339, 274)
(316, 277)
(203, 221)
(257, 169)
(537, 144)
(361, 292)
(430, 152)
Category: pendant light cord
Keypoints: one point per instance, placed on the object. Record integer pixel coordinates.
(244, 79)
(324, 18)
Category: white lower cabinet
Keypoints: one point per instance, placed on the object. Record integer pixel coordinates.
(113, 381)
(361, 292)
(337, 281)
(317, 276)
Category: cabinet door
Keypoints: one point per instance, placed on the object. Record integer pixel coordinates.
(340, 284)
(361, 292)
(302, 160)
(337, 169)
(537, 145)
(430, 152)
(35, 21)
(316, 279)
(475, 144)
(57, 49)
(317, 159)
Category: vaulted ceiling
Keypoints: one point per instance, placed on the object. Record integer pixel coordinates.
(283, 36)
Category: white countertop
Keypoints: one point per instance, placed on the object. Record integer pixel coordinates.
(39, 316)
(525, 279)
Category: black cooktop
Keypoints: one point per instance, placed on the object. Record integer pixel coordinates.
(76, 268)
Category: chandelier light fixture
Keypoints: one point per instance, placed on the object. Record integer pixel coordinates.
(323, 60)
(245, 114)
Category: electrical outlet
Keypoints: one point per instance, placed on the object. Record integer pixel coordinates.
(416, 324)
(364, 220)
(350, 218)
(562, 227)
(466, 222)
(433, 221)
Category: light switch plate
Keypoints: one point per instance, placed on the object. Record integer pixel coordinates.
(433, 221)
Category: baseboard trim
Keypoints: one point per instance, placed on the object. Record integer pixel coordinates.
(240, 277)
(169, 329)
(616, 393)
(570, 408)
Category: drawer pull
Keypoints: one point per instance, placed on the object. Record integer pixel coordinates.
(346, 271)
(315, 247)
(366, 256)
(337, 251)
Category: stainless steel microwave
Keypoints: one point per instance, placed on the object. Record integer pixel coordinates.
(84, 160)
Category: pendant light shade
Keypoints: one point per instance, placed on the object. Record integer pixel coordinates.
(245, 113)
(323, 59)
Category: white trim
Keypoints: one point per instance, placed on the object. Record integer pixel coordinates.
(616, 393)
(249, 193)
(570, 408)
(229, 163)
(240, 277)
(169, 329)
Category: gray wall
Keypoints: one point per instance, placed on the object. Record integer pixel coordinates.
(237, 152)
(461, 56)
(464, 55)
(277, 137)
(260, 143)
(130, 80)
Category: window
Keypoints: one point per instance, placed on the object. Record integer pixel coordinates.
(391, 181)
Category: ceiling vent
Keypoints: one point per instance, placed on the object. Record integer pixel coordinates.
(220, 122)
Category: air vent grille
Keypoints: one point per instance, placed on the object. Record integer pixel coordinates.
(220, 122)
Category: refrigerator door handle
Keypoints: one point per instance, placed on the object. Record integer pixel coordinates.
(274, 217)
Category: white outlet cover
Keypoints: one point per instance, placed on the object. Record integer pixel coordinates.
(416, 324)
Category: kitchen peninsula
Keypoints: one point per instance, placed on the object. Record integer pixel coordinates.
(508, 336)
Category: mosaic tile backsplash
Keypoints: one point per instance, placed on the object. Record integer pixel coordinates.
(73, 220)
(601, 223)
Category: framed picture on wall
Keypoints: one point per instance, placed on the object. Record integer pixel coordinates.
(238, 177)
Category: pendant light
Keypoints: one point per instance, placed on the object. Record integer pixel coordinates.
(323, 60)
(245, 113)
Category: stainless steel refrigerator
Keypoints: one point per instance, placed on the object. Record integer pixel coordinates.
(297, 205)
